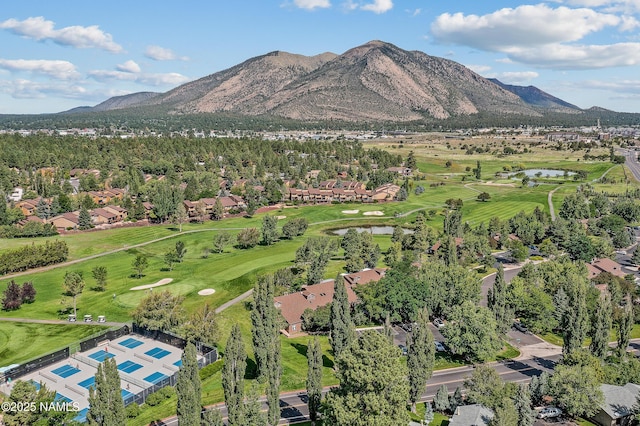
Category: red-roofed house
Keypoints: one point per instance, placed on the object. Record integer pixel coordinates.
(312, 297)
(598, 266)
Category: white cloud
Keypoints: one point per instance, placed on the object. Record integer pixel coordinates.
(152, 79)
(158, 53)
(62, 70)
(312, 4)
(38, 28)
(524, 26)
(517, 77)
(479, 69)
(378, 6)
(414, 12)
(541, 36)
(129, 66)
(27, 89)
(559, 56)
(624, 6)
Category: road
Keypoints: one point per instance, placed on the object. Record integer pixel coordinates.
(631, 162)
(294, 404)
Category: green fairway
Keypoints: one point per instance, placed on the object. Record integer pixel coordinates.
(20, 342)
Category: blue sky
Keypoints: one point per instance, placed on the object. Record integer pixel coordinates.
(56, 55)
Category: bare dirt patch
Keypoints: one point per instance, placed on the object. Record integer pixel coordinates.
(206, 292)
(350, 211)
(163, 281)
(281, 217)
(374, 213)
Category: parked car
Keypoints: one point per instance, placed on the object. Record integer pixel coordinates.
(520, 327)
(439, 346)
(549, 413)
(438, 322)
(404, 350)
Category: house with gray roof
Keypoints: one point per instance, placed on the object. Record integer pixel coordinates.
(471, 415)
(617, 408)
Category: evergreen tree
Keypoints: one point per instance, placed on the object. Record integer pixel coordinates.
(625, 324)
(522, 403)
(106, 407)
(212, 418)
(456, 400)
(43, 210)
(180, 251)
(441, 399)
(600, 328)
(314, 378)
(505, 414)
(428, 412)
(478, 170)
(99, 274)
(341, 326)
(218, 210)
(575, 320)
(235, 364)
(269, 230)
(498, 302)
(188, 388)
(4, 220)
(635, 258)
(84, 219)
(420, 357)
(373, 385)
(539, 388)
(253, 415)
(264, 320)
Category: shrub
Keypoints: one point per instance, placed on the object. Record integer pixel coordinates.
(211, 369)
(132, 410)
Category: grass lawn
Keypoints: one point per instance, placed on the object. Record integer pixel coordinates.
(20, 342)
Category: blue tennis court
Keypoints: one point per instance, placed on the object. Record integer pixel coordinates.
(131, 343)
(61, 398)
(157, 353)
(65, 371)
(101, 355)
(82, 415)
(155, 378)
(129, 367)
(88, 383)
(178, 363)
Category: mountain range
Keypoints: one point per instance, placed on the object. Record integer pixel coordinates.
(374, 82)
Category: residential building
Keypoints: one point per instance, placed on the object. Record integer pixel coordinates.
(617, 408)
(471, 415)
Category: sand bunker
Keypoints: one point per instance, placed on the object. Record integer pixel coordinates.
(158, 284)
(350, 211)
(373, 213)
(206, 292)
(281, 217)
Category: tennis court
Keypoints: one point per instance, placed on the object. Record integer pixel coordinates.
(129, 367)
(131, 343)
(91, 381)
(155, 377)
(65, 371)
(101, 355)
(157, 353)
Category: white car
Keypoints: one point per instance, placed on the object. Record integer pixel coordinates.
(438, 322)
(439, 346)
(549, 413)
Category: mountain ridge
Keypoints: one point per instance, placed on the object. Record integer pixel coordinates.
(376, 81)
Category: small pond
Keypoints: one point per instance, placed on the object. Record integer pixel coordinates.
(375, 230)
(543, 173)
